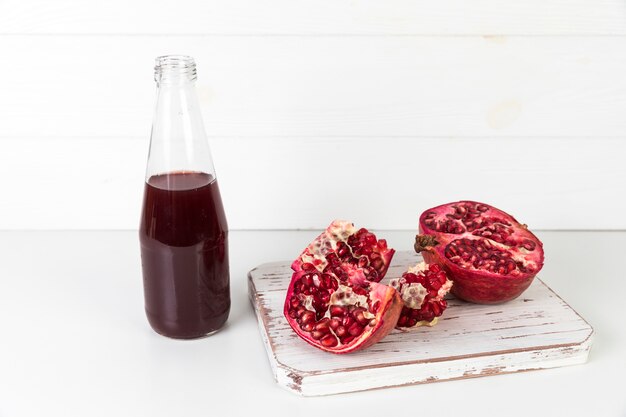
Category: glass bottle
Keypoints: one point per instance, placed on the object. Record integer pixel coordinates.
(183, 231)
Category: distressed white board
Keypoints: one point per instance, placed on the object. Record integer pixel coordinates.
(536, 331)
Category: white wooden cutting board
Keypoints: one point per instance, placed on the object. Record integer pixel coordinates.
(538, 330)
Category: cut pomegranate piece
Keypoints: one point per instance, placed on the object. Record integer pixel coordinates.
(340, 244)
(488, 254)
(333, 301)
(422, 289)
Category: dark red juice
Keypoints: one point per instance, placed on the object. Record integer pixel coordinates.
(184, 255)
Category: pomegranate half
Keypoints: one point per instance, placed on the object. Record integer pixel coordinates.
(334, 301)
(490, 256)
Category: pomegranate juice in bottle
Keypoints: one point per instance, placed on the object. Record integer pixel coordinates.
(183, 231)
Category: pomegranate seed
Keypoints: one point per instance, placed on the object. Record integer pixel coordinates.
(434, 283)
(329, 341)
(360, 291)
(436, 309)
(308, 326)
(307, 280)
(361, 319)
(322, 325)
(307, 316)
(328, 281)
(336, 310)
(355, 329)
(334, 323)
(428, 316)
(308, 267)
(378, 264)
(347, 340)
(347, 321)
(373, 276)
(341, 331)
(410, 277)
(339, 273)
(317, 334)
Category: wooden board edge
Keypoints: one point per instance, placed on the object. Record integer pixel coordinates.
(466, 368)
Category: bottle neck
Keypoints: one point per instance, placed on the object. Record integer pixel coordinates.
(178, 140)
(174, 70)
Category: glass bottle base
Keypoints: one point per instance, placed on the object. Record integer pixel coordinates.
(202, 336)
(185, 331)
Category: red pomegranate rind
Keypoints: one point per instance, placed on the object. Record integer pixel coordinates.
(489, 255)
(339, 317)
(340, 244)
(422, 290)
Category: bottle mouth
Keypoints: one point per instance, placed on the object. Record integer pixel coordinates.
(169, 68)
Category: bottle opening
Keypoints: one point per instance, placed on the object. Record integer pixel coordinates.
(174, 68)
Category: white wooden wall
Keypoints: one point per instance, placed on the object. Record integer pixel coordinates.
(362, 109)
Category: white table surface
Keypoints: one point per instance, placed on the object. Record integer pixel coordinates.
(75, 341)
